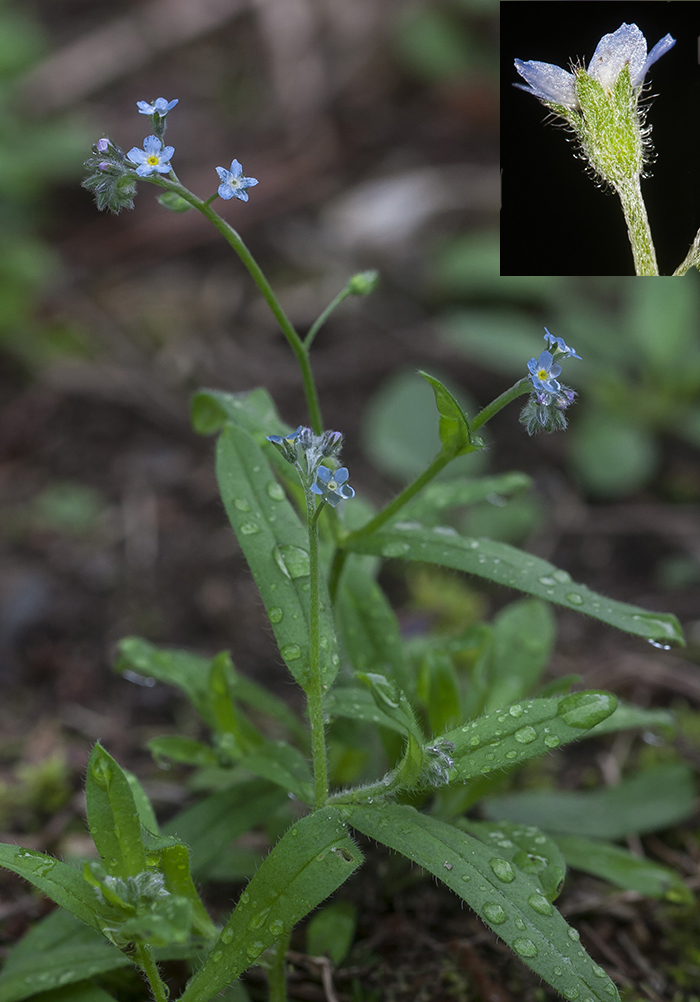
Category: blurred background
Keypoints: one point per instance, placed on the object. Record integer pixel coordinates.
(373, 129)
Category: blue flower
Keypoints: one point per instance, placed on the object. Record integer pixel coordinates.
(153, 157)
(561, 345)
(233, 184)
(544, 371)
(332, 487)
(626, 46)
(159, 107)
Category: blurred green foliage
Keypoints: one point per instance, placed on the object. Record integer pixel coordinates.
(35, 153)
(444, 41)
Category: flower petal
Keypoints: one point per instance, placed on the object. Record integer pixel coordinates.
(152, 144)
(548, 82)
(136, 156)
(341, 475)
(236, 169)
(659, 50)
(167, 153)
(225, 191)
(626, 45)
(323, 474)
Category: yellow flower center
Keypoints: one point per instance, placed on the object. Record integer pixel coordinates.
(152, 161)
(332, 485)
(543, 374)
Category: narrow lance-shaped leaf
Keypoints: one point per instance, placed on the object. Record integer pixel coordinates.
(623, 868)
(277, 550)
(60, 882)
(112, 816)
(507, 899)
(506, 565)
(526, 847)
(654, 799)
(442, 495)
(309, 862)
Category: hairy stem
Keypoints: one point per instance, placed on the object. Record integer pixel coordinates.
(692, 259)
(277, 973)
(235, 240)
(147, 963)
(630, 193)
(517, 390)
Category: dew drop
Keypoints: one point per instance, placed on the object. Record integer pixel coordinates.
(241, 504)
(473, 544)
(448, 866)
(227, 936)
(660, 646)
(519, 924)
(291, 652)
(511, 755)
(244, 898)
(540, 904)
(475, 741)
(524, 947)
(525, 735)
(570, 993)
(249, 529)
(574, 934)
(217, 955)
(547, 580)
(561, 576)
(558, 971)
(292, 561)
(259, 919)
(585, 709)
(466, 878)
(551, 741)
(275, 614)
(515, 710)
(275, 491)
(502, 868)
(276, 927)
(494, 913)
(255, 949)
(574, 598)
(599, 972)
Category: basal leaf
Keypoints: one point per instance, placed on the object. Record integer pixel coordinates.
(523, 641)
(358, 704)
(254, 410)
(309, 862)
(455, 433)
(506, 898)
(276, 547)
(622, 868)
(184, 750)
(526, 847)
(514, 568)
(284, 765)
(650, 801)
(112, 816)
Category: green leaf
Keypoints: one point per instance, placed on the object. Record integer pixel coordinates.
(359, 704)
(399, 432)
(623, 868)
(212, 824)
(455, 433)
(277, 550)
(254, 410)
(190, 673)
(284, 765)
(184, 750)
(513, 734)
(440, 496)
(331, 931)
(514, 568)
(60, 882)
(368, 625)
(174, 202)
(79, 992)
(112, 816)
(439, 692)
(655, 307)
(309, 862)
(523, 640)
(393, 702)
(650, 801)
(507, 899)
(173, 861)
(144, 807)
(527, 848)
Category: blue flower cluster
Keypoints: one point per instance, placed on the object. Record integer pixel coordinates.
(115, 172)
(331, 487)
(549, 398)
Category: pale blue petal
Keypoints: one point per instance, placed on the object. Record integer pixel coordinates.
(225, 191)
(145, 108)
(548, 82)
(236, 169)
(144, 170)
(323, 474)
(626, 45)
(242, 194)
(659, 50)
(136, 155)
(341, 475)
(223, 173)
(316, 489)
(152, 144)
(167, 153)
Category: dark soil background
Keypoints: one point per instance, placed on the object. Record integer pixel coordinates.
(323, 101)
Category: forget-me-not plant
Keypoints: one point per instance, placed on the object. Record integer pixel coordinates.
(153, 157)
(601, 104)
(233, 184)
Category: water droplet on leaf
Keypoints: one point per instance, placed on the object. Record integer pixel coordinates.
(292, 561)
(502, 868)
(526, 735)
(524, 947)
(249, 529)
(241, 504)
(494, 913)
(276, 614)
(540, 904)
(291, 652)
(574, 598)
(275, 491)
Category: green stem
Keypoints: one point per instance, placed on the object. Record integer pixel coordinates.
(147, 963)
(692, 259)
(314, 690)
(630, 192)
(234, 239)
(517, 390)
(277, 973)
(320, 321)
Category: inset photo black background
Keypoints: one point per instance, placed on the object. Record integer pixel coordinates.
(556, 219)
